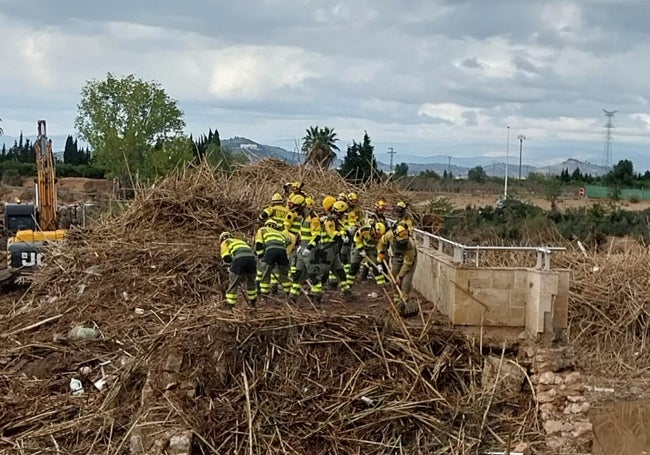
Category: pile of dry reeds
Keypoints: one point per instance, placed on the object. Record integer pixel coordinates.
(277, 380)
(609, 310)
(269, 382)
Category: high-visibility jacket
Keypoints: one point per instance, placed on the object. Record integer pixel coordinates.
(268, 238)
(277, 213)
(232, 249)
(405, 251)
(293, 222)
(364, 238)
(354, 218)
(331, 229)
(309, 230)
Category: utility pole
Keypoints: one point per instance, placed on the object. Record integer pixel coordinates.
(391, 153)
(505, 184)
(521, 138)
(449, 166)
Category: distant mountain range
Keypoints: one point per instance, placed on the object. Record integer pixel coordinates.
(436, 163)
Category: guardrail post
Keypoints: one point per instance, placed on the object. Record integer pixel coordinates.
(440, 246)
(459, 254)
(425, 241)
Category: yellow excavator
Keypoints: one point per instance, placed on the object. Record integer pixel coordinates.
(29, 226)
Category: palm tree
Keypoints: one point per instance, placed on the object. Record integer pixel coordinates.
(319, 145)
(1, 130)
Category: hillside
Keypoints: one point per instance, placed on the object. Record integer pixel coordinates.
(438, 164)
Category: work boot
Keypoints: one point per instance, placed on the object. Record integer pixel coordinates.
(317, 298)
(252, 303)
(274, 289)
(347, 294)
(293, 299)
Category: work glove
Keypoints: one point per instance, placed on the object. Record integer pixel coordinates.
(381, 257)
(305, 252)
(363, 253)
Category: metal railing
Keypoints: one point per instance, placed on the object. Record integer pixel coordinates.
(459, 252)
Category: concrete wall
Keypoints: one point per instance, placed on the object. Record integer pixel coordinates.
(536, 300)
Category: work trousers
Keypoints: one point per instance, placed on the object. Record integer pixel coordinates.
(407, 281)
(242, 273)
(329, 259)
(275, 258)
(370, 260)
(306, 269)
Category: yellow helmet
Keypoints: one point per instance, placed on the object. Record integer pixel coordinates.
(353, 198)
(342, 197)
(309, 202)
(277, 199)
(224, 236)
(297, 200)
(401, 232)
(339, 207)
(328, 202)
(381, 205)
(271, 223)
(380, 229)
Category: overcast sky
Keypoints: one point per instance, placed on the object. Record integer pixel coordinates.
(426, 77)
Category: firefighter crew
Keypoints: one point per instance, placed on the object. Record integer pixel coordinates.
(331, 236)
(365, 250)
(403, 260)
(403, 216)
(242, 267)
(293, 223)
(306, 264)
(271, 247)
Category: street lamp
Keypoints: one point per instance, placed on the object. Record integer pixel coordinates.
(505, 184)
(521, 138)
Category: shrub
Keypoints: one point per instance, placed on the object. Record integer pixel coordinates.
(634, 199)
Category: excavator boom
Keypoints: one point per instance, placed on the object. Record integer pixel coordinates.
(45, 183)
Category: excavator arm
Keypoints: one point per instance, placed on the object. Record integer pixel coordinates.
(45, 181)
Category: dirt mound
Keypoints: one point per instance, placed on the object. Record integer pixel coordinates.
(165, 360)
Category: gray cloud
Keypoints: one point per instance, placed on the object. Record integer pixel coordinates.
(416, 76)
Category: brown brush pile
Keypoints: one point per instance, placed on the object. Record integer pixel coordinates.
(274, 380)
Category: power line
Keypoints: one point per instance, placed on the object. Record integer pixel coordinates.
(391, 153)
(609, 127)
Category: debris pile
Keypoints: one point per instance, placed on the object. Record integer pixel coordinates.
(121, 347)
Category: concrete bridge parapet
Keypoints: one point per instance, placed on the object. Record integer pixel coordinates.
(534, 299)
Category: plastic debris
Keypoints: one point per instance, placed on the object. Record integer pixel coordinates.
(76, 386)
(82, 333)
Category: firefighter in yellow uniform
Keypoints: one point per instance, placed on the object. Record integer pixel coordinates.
(306, 264)
(403, 216)
(345, 245)
(277, 212)
(403, 260)
(330, 240)
(365, 250)
(271, 247)
(379, 214)
(242, 267)
(293, 223)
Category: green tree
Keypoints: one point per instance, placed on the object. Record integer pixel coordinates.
(319, 145)
(401, 171)
(123, 119)
(477, 174)
(169, 154)
(359, 163)
(622, 174)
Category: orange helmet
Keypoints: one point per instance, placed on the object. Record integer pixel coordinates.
(328, 202)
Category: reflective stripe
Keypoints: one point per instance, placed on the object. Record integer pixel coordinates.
(238, 248)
